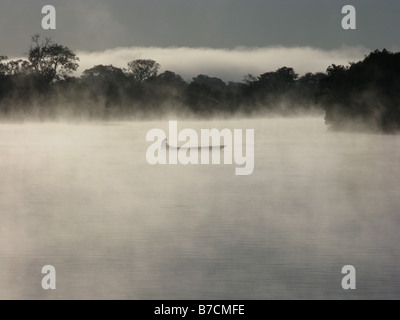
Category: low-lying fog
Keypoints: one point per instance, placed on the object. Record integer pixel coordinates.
(83, 199)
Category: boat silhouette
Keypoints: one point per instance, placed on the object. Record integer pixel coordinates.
(167, 146)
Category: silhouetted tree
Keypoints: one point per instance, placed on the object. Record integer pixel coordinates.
(3, 70)
(101, 72)
(19, 66)
(214, 84)
(106, 82)
(50, 60)
(142, 70)
(168, 85)
(3, 66)
(171, 78)
(267, 91)
(278, 82)
(206, 95)
(307, 88)
(249, 79)
(366, 93)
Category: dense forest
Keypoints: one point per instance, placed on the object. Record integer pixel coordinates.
(366, 93)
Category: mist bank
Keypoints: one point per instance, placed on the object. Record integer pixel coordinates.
(363, 94)
(226, 64)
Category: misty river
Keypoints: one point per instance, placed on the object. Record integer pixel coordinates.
(82, 197)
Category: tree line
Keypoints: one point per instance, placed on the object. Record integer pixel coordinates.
(42, 86)
(364, 95)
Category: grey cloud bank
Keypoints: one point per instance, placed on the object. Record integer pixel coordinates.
(228, 64)
(98, 25)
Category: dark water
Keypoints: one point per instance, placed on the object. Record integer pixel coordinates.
(83, 199)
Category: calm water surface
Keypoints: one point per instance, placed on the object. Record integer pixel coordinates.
(83, 199)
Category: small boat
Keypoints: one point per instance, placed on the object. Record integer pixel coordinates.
(167, 146)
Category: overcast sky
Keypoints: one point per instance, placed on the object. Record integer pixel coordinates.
(98, 25)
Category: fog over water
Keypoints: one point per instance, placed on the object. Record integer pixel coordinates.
(82, 197)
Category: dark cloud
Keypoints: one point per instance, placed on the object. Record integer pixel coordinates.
(96, 25)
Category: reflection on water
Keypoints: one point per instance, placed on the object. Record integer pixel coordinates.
(84, 199)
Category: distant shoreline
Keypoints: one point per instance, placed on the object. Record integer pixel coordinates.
(365, 94)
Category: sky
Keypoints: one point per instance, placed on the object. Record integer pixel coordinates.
(192, 36)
